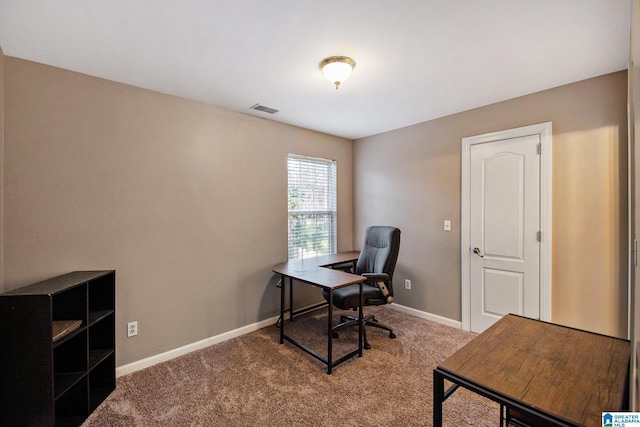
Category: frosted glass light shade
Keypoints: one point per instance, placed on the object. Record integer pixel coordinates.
(337, 69)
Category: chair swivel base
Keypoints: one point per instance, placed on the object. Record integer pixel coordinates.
(369, 320)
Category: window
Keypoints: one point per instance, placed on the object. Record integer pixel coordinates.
(312, 206)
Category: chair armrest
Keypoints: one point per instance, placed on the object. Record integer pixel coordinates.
(381, 280)
(376, 276)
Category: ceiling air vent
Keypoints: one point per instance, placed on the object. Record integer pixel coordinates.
(264, 109)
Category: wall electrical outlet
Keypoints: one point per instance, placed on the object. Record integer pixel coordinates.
(447, 225)
(132, 329)
(407, 284)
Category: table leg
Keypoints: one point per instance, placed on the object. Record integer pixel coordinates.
(291, 299)
(360, 321)
(283, 285)
(438, 398)
(330, 333)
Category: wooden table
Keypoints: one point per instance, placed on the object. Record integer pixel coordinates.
(550, 374)
(315, 272)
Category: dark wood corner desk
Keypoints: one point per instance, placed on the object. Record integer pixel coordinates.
(318, 272)
(549, 374)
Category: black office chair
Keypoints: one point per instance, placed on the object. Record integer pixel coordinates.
(377, 262)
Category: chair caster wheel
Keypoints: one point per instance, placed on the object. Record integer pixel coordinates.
(392, 335)
(367, 346)
(334, 335)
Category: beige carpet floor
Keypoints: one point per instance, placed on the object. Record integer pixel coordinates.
(253, 380)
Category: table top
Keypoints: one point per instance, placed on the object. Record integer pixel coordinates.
(312, 271)
(570, 373)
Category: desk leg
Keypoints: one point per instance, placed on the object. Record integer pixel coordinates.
(361, 320)
(283, 285)
(330, 333)
(438, 398)
(290, 299)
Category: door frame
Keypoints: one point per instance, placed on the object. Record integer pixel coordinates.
(544, 132)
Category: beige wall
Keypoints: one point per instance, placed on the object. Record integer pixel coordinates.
(185, 200)
(411, 178)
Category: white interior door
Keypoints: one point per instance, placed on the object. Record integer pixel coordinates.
(504, 228)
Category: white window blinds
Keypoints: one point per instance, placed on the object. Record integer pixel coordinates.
(312, 206)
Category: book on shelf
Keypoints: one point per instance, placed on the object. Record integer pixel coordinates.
(63, 328)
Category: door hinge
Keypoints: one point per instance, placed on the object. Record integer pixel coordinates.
(635, 252)
(539, 236)
(539, 148)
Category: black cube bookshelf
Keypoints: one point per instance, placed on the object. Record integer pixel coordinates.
(57, 349)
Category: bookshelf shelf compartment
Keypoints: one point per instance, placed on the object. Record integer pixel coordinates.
(63, 382)
(57, 383)
(96, 316)
(97, 356)
(101, 381)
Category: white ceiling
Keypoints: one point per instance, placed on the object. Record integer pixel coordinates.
(416, 60)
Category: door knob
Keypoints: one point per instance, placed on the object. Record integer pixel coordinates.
(478, 252)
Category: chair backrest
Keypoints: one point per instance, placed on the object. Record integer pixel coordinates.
(379, 252)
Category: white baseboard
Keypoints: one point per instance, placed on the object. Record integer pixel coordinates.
(171, 354)
(425, 315)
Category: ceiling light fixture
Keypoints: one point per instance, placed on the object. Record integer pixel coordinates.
(337, 69)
